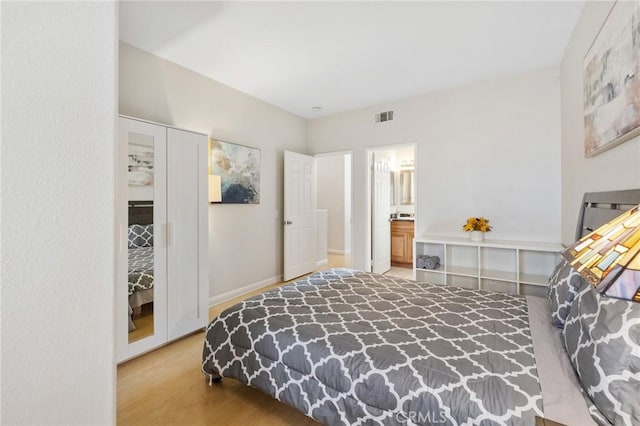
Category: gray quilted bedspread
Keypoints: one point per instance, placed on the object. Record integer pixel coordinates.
(140, 269)
(354, 348)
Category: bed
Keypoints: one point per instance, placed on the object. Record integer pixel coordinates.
(352, 347)
(140, 257)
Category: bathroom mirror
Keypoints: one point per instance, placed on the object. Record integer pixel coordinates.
(392, 188)
(406, 192)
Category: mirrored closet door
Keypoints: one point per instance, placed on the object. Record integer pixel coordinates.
(142, 257)
(162, 278)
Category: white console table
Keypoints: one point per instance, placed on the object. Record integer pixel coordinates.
(517, 267)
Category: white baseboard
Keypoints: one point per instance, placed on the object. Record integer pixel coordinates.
(334, 251)
(319, 263)
(228, 295)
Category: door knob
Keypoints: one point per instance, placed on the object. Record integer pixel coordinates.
(288, 222)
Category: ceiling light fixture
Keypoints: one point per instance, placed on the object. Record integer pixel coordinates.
(317, 108)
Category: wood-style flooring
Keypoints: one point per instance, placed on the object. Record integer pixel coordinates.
(166, 387)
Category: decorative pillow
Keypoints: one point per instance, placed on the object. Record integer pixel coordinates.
(602, 337)
(140, 236)
(563, 287)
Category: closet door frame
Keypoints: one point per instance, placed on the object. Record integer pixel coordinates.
(126, 350)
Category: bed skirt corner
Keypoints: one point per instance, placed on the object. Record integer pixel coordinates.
(212, 374)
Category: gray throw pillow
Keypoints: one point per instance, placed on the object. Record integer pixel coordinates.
(563, 287)
(602, 338)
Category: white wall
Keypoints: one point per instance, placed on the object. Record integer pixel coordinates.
(245, 240)
(490, 148)
(330, 195)
(615, 169)
(57, 174)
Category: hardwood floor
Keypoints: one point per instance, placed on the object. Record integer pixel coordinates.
(166, 387)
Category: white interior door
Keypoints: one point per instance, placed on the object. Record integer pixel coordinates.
(380, 213)
(187, 231)
(299, 215)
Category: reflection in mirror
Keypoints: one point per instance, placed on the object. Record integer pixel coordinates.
(406, 187)
(392, 187)
(140, 236)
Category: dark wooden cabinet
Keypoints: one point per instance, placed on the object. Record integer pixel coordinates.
(402, 242)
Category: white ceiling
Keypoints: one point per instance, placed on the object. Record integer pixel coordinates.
(348, 55)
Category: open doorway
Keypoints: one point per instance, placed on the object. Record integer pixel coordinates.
(392, 209)
(333, 203)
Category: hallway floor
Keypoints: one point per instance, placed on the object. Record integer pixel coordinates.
(400, 272)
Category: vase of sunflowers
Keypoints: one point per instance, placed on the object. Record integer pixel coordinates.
(476, 227)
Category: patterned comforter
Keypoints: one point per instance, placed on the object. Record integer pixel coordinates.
(353, 348)
(140, 269)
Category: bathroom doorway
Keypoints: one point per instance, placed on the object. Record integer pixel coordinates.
(393, 209)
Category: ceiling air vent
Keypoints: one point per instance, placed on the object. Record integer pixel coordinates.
(381, 117)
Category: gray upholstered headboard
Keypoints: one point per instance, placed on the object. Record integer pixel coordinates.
(140, 212)
(599, 208)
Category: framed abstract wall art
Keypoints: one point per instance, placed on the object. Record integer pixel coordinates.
(612, 80)
(239, 170)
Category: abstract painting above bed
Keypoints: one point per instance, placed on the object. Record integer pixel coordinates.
(350, 347)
